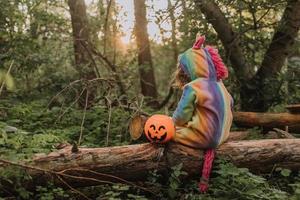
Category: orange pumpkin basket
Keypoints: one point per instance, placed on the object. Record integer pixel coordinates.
(159, 128)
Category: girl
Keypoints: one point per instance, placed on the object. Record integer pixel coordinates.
(203, 116)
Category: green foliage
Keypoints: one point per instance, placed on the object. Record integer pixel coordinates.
(121, 192)
(21, 144)
(174, 180)
(50, 193)
(30, 128)
(37, 37)
(296, 189)
(239, 183)
(228, 182)
(39, 129)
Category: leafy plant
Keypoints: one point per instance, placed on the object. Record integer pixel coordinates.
(50, 193)
(174, 180)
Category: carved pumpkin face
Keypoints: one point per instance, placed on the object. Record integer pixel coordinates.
(159, 128)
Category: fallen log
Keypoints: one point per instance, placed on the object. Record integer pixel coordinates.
(270, 120)
(295, 108)
(93, 166)
(248, 119)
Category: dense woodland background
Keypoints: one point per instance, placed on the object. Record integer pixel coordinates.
(66, 75)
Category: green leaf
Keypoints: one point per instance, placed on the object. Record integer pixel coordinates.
(7, 80)
(285, 172)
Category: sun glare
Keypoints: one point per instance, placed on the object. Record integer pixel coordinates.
(126, 39)
(127, 20)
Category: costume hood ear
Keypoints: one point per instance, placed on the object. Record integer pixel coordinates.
(199, 42)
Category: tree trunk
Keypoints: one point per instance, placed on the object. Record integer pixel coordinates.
(258, 91)
(294, 108)
(82, 50)
(174, 40)
(267, 78)
(248, 119)
(134, 162)
(147, 79)
(106, 22)
(228, 38)
(270, 120)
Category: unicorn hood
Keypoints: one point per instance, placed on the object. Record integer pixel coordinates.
(203, 115)
(199, 62)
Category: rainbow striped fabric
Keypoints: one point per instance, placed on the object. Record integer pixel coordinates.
(203, 116)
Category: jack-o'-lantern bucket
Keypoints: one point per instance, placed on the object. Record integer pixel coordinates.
(159, 128)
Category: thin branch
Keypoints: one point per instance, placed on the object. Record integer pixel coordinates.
(112, 68)
(60, 92)
(71, 188)
(62, 173)
(113, 177)
(53, 172)
(76, 100)
(91, 57)
(109, 120)
(83, 118)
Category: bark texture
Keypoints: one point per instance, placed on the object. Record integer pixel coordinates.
(147, 79)
(267, 77)
(283, 40)
(83, 58)
(266, 119)
(173, 34)
(249, 119)
(258, 90)
(295, 108)
(228, 37)
(134, 162)
(81, 38)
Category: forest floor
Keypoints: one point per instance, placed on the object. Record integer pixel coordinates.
(31, 127)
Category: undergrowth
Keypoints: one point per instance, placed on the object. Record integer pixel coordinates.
(30, 128)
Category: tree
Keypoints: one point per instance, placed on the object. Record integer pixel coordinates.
(82, 48)
(173, 32)
(258, 89)
(147, 79)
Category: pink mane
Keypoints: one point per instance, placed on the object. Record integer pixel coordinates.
(222, 71)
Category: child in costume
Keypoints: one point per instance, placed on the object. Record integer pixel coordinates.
(203, 116)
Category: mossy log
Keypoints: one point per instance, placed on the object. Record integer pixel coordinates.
(134, 162)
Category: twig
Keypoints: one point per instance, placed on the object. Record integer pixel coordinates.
(108, 80)
(110, 176)
(60, 92)
(112, 67)
(76, 100)
(86, 47)
(109, 120)
(83, 118)
(53, 172)
(62, 173)
(8, 71)
(71, 188)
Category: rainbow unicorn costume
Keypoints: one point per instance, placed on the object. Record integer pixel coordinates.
(203, 116)
(204, 113)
